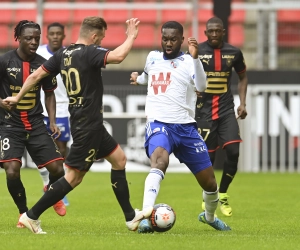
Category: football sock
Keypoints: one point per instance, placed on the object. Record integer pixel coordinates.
(152, 185)
(52, 179)
(55, 193)
(211, 202)
(45, 175)
(120, 187)
(17, 192)
(229, 171)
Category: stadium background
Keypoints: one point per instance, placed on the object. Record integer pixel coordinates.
(267, 31)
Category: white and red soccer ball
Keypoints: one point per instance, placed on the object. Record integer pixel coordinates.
(162, 218)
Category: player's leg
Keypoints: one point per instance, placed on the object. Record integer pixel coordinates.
(230, 139)
(208, 131)
(45, 153)
(158, 147)
(61, 142)
(193, 152)
(113, 153)
(12, 149)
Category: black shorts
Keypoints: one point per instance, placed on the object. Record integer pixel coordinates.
(220, 132)
(39, 144)
(89, 146)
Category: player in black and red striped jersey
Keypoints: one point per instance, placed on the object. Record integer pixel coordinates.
(215, 114)
(80, 66)
(23, 127)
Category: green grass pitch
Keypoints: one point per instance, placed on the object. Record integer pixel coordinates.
(265, 215)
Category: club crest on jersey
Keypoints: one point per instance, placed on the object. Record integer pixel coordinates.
(174, 64)
(228, 62)
(162, 82)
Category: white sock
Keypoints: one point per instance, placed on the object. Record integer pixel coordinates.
(152, 185)
(45, 175)
(211, 203)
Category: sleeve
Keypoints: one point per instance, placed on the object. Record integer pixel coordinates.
(97, 56)
(52, 66)
(239, 65)
(143, 78)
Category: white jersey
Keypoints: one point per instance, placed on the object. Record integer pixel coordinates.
(62, 100)
(171, 96)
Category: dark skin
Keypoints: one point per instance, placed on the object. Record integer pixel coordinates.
(215, 33)
(28, 44)
(55, 36)
(171, 42)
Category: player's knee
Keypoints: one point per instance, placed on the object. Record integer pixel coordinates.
(11, 175)
(12, 170)
(233, 152)
(56, 168)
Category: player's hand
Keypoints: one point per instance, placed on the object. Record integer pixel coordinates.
(9, 103)
(199, 94)
(55, 131)
(133, 78)
(241, 112)
(132, 27)
(193, 47)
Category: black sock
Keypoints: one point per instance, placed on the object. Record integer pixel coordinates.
(17, 192)
(52, 179)
(121, 190)
(55, 193)
(229, 171)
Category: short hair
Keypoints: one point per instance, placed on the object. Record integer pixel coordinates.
(92, 23)
(173, 25)
(55, 24)
(215, 20)
(24, 24)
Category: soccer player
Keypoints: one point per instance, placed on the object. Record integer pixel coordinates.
(55, 36)
(172, 78)
(215, 115)
(23, 126)
(80, 66)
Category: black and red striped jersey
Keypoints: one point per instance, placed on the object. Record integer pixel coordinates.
(80, 68)
(218, 64)
(13, 73)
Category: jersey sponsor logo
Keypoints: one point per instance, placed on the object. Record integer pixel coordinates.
(228, 56)
(218, 73)
(69, 52)
(161, 82)
(14, 75)
(205, 58)
(13, 71)
(100, 48)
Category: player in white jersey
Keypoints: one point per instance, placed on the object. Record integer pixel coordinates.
(172, 78)
(55, 36)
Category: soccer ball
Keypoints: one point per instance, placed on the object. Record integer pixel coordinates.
(162, 218)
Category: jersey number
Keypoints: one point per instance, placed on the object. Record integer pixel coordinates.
(206, 131)
(28, 101)
(73, 86)
(216, 85)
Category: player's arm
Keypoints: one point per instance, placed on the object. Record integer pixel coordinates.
(50, 104)
(242, 89)
(117, 55)
(137, 79)
(200, 76)
(29, 83)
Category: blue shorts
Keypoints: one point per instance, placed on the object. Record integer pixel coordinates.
(183, 140)
(63, 125)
